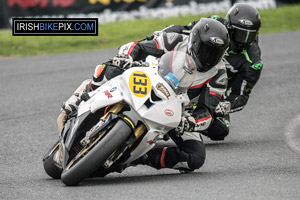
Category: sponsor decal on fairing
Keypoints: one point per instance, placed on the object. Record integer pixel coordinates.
(108, 94)
(163, 89)
(169, 112)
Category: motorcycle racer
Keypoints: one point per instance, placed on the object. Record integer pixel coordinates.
(243, 63)
(206, 44)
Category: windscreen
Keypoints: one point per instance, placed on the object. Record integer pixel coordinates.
(178, 69)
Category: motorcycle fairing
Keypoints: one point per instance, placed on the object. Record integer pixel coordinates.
(159, 112)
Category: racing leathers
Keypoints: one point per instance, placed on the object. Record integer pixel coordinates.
(243, 71)
(206, 92)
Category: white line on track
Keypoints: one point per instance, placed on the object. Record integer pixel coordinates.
(292, 134)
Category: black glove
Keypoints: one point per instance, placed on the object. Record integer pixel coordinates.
(186, 124)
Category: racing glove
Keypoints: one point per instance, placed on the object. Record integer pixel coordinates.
(186, 124)
(71, 105)
(123, 60)
(223, 108)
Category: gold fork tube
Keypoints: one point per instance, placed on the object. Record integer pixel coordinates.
(139, 131)
(115, 109)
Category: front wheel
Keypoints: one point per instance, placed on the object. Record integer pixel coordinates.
(49, 164)
(97, 155)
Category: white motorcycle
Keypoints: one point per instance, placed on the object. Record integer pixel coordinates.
(121, 120)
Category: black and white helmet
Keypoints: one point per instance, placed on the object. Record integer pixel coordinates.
(243, 23)
(208, 42)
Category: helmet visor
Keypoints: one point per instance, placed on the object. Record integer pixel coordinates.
(243, 35)
(209, 55)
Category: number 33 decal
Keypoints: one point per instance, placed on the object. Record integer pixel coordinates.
(139, 84)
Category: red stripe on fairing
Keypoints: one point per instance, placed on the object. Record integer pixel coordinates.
(216, 94)
(162, 158)
(157, 45)
(132, 46)
(200, 85)
(203, 119)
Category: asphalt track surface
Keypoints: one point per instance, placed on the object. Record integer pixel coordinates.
(260, 158)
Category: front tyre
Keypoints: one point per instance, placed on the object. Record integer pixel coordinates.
(97, 155)
(49, 164)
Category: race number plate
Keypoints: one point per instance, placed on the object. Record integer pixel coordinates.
(139, 84)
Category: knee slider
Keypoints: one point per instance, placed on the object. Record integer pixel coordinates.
(221, 128)
(196, 161)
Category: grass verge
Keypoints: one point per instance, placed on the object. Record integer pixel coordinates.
(112, 35)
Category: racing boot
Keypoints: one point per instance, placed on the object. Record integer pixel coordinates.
(143, 160)
(151, 158)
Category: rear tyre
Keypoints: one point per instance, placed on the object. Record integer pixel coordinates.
(49, 164)
(97, 155)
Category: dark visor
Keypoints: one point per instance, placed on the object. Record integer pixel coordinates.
(243, 35)
(209, 55)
